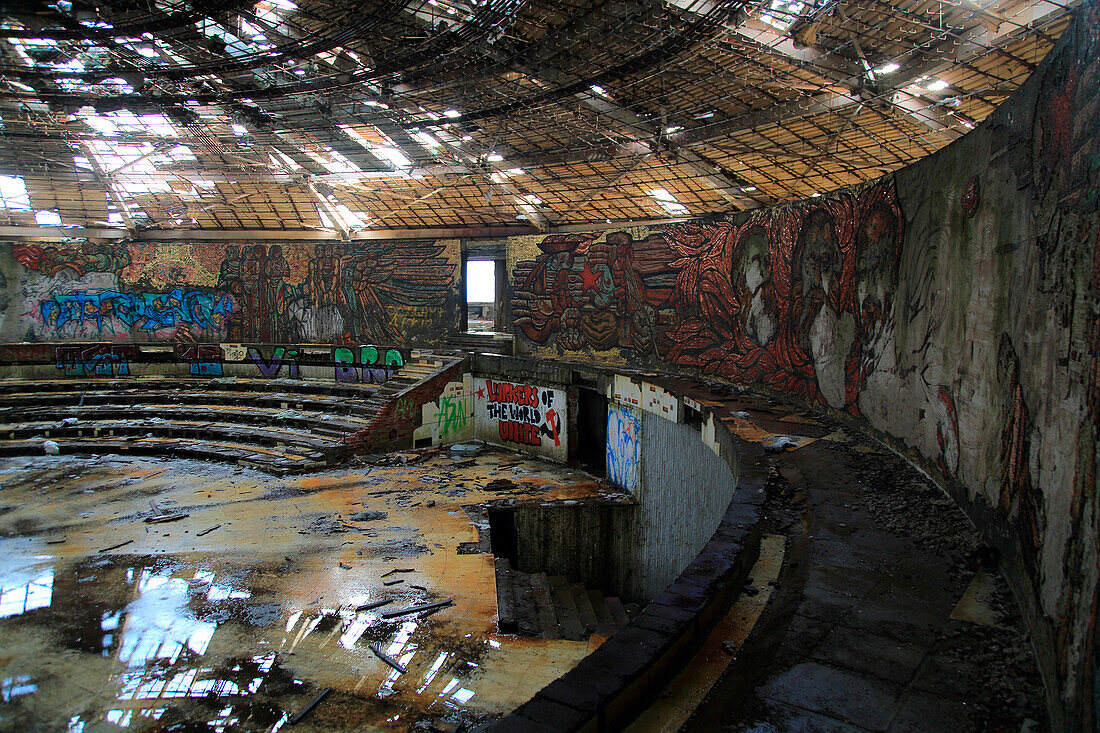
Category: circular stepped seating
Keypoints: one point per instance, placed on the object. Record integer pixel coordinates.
(279, 426)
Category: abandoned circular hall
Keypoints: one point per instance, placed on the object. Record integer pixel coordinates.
(529, 365)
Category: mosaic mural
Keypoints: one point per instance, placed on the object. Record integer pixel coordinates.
(334, 292)
(795, 297)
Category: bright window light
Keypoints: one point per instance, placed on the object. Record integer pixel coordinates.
(672, 129)
(47, 218)
(494, 157)
(240, 130)
(889, 68)
(600, 90)
(481, 278)
(392, 156)
(427, 139)
(13, 192)
(452, 113)
(668, 202)
(937, 85)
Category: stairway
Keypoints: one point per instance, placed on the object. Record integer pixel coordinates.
(280, 426)
(532, 604)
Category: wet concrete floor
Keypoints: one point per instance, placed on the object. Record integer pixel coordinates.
(249, 602)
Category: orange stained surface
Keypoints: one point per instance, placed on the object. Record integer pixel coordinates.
(256, 595)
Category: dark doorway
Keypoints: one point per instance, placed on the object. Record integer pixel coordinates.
(591, 430)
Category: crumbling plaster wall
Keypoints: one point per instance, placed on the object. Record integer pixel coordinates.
(951, 309)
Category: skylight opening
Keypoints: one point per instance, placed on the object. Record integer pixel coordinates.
(351, 219)
(239, 130)
(669, 202)
(393, 156)
(47, 218)
(427, 139)
(889, 68)
(494, 157)
(781, 14)
(281, 160)
(600, 90)
(13, 193)
(937, 85)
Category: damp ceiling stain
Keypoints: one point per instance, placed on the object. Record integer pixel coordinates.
(237, 615)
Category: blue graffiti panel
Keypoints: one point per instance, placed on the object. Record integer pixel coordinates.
(138, 311)
(624, 437)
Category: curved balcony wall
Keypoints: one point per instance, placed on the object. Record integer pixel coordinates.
(950, 309)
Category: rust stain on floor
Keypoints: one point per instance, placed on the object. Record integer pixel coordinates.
(236, 615)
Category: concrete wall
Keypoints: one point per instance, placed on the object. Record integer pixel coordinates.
(951, 308)
(330, 292)
(682, 489)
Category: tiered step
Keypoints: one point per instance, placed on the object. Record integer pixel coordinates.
(485, 343)
(277, 425)
(532, 604)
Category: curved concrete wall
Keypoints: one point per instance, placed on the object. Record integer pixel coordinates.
(951, 308)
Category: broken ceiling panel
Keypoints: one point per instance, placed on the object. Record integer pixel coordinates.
(355, 115)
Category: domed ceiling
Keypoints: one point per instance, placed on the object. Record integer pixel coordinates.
(349, 118)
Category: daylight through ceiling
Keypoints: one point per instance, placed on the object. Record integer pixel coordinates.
(348, 118)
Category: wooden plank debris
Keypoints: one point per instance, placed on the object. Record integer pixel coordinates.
(416, 609)
(375, 604)
(115, 547)
(294, 719)
(398, 570)
(388, 659)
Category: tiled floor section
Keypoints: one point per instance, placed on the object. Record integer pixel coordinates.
(238, 614)
(861, 634)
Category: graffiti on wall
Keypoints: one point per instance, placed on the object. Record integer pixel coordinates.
(205, 359)
(367, 364)
(522, 414)
(449, 418)
(624, 435)
(111, 312)
(294, 293)
(796, 297)
(96, 360)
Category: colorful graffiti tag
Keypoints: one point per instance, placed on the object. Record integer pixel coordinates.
(145, 312)
(370, 366)
(99, 360)
(795, 297)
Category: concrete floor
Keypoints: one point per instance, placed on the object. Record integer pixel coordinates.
(235, 616)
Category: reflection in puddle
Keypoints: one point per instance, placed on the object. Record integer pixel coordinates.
(168, 618)
(239, 633)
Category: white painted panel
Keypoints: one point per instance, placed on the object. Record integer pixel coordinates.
(522, 416)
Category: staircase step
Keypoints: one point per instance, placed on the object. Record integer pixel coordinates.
(584, 608)
(565, 608)
(506, 601)
(548, 619)
(615, 607)
(527, 618)
(603, 614)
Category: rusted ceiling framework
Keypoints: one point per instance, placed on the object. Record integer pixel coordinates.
(354, 117)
